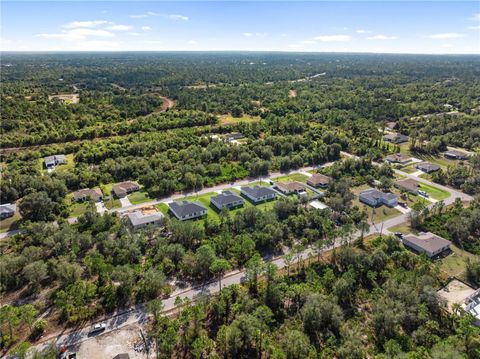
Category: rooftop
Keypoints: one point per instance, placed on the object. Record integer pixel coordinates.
(124, 187)
(138, 218)
(428, 166)
(428, 241)
(408, 183)
(185, 208)
(8, 207)
(397, 157)
(226, 197)
(375, 194)
(258, 191)
(290, 186)
(85, 192)
(319, 179)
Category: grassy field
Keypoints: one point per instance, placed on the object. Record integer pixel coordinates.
(292, 177)
(378, 214)
(454, 264)
(11, 223)
(162, 207)
(205, 200)
(77, 209)
(434, 192)
(60, 168)
(112, 203)
(139, 197)
(229, 120)
(106, 189)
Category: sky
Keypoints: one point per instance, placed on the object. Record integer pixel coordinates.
(434, 27)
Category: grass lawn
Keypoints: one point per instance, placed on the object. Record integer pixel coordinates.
(229, 120)
(257, 183)
(112, 203)
(60, 168)
(106, 189)
(434, 192)
(408, 169)
(292, 177)
(162, 207)
(77, 209)
(11, 223)
(378, 214)
(454, 264)
(139, 197)
(205, 200)
(403, 228)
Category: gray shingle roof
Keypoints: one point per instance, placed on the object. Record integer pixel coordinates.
(226, 197)
(427, 166)
(427, 241)
(258, 191)
(375, 194)
(186, 208)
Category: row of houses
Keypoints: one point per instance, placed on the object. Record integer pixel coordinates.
(120, 190)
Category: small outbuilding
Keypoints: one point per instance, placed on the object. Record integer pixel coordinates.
(428, 243)
(55, 160)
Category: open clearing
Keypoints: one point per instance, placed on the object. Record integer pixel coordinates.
(455, 292)
(113, 343)
(66, 98)
(292, 177)
(454, 264)
(230, 120)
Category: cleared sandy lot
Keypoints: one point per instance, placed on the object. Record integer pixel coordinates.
(66, 98)
(108, 345)
(455, 292)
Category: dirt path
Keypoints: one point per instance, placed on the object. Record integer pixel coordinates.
(292, 93)
(167, 103)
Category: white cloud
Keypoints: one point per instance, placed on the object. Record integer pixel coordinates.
(76, 24)
(119, 27)
(382, 37)
(284, 35)
(192, 42)
(331, 38)
(135, 34)
(476, 16)
(474, 27)
(77, 34)
(295, 46)
(257, 34)
(308, 42)
(178, 17)
(96, 45)
(147, 14)
(247, 34)
(146, 28)
(448, 35)
(362, 31)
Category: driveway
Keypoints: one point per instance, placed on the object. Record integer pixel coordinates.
(125, 202)
(101, 207)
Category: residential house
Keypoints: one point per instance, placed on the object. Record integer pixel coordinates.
(398, 158)
(125, 188)
(318, 205)
(258, 193)
(185, 210)
(396, 138)
(94, 194)
(122, 356)
(318, 180)
(472, 306)
(455, 155)
(409, 185)
(373, 197)
(139, 219)
(227, 199)
(428, 243)
(55, 160)
(290, 187)
(234, 136)
(7, 210)
(427, 167)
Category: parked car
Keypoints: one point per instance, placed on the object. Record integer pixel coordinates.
(99, 327)
(402, 204)
(398, 234)
(423, 193)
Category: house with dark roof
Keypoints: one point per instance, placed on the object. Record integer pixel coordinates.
(427, 167)
(258, 194)
(94, 194)
(455, 155)
(373, 197)
(7, 210)
(185, 210)
(409, 185)
(318, 180)
(428, 243)
(227, 199)
(398, 158)
(290, 187)
(139, 219)
(125, 188)
(55, 160)
(395, 138)
(122, 356)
